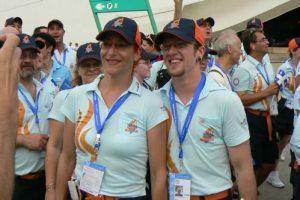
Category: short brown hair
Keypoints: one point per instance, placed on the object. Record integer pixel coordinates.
(249, 37)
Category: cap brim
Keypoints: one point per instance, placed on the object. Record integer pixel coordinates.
(161, 35)
(211, 51)
(148, 56)
(253, 26)
(102, 34)
(30, 47)
(88, 57)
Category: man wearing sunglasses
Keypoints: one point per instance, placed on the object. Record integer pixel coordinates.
(34, 105)
(52, 71)
(254, 82)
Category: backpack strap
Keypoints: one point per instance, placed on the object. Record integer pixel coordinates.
(214, 70)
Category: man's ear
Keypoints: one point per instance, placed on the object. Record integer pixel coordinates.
(252, 46)
(229, 49)
(49, 49)
(137, 53)
(200, 53)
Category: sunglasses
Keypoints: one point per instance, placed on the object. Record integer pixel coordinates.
(149, 38)
(40, 44)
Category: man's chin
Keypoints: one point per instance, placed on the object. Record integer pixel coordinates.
(26, 74)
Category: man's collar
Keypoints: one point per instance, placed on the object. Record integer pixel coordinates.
(210, 85)
(134, 88)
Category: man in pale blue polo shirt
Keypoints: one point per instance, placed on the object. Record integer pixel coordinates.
(60, 74)
(208, 126)
(34, 105)
(63, 54)
(254, 82)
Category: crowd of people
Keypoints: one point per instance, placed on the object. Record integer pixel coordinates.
(177, 115)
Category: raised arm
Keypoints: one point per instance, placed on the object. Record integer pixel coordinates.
(9, 65)
(177, 9)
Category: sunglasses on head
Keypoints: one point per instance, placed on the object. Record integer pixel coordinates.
(149, 38)
(40, 44)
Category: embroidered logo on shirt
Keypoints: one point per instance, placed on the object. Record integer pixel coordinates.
(175, 24)
(132, 127)
(236, 81)
(118, 22)
(208, 136)
(244, 123)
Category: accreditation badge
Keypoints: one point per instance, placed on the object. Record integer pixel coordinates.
(91, 178)
(179, 186)
(289, 104)
(273, 106)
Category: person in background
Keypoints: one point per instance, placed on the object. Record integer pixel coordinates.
(63, 54)
(254, 82)
(87, 69)
(34, 105)
(60, 74)
(15, 22)
(228, 46)
(204, 61)
(142, 69)
(149, 46)
(40, 29)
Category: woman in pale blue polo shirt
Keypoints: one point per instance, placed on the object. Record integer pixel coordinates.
(117, 125)
(88, 68)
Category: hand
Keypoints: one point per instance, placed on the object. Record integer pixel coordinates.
(9, 66)
(272, 89)
(36, 142)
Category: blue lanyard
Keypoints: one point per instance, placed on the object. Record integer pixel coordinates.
(221, 68)
(267, 80)
(210, 61)
(188, 119)
(98, 124)
(43, 80)
(64, 57)
(33, 108)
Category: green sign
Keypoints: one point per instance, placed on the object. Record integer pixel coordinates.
(106, 6)
(103, 6)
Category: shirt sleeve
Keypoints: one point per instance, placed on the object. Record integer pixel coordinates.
(235, 126)
(156, 112)
(296, 102)
(295, 140)
(55, 112)
(241, 80)
(298, 70)
(68, 108)
(69, 76)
